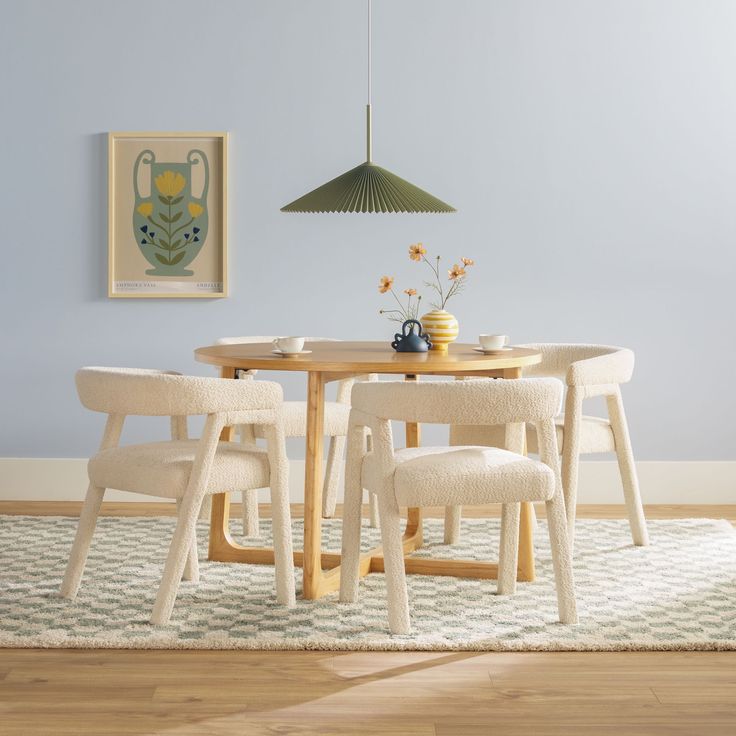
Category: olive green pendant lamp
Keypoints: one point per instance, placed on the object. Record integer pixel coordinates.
(368, 187)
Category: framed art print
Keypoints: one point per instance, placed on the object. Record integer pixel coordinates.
(167, 215)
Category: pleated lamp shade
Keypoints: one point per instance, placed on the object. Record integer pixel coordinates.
(368, 187)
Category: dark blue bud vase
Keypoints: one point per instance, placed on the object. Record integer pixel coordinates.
(411, 339)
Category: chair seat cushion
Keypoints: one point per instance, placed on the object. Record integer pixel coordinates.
(595, 435)
(163, 468)
(449, 476)
(295, 419)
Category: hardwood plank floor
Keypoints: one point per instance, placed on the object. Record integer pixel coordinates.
(367, 693)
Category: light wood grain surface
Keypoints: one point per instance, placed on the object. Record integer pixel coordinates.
(365, 357)
(73, 692)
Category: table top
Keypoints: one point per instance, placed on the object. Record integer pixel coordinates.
(365, 357)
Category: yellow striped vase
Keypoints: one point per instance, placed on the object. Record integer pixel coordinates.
(441, 327)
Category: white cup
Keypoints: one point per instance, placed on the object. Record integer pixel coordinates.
(289, 344)
(492, 342)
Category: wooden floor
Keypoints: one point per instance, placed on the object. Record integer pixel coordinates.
(367, 693)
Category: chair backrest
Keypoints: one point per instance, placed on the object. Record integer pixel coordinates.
(132, 391)
(581, 364)
(461, 402)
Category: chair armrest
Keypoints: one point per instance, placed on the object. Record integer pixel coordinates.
(146, 393)
(613, 368)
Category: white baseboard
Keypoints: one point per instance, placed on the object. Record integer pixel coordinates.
(676, 482)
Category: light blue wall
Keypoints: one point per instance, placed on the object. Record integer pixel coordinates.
(589, 145)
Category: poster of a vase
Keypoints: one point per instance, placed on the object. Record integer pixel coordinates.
(167, 215)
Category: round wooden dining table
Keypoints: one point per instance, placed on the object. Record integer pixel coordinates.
(335, 361)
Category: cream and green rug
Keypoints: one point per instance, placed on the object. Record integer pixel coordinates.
(678, 593)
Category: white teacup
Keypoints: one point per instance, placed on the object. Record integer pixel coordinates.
(289, 344)
(492, 342)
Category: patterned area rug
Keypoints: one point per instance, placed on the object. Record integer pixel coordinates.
(678, 593)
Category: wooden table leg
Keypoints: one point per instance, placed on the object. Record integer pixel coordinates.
(321, 569)
(414, 532)
(220, 514)
(313, 486)
(223, 548)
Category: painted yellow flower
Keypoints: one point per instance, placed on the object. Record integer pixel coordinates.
(386, 283)
(194, 209)
(417, 251)
(468, 261)
(456, 272)
(145, 209)
(410, 292)
(170, 183)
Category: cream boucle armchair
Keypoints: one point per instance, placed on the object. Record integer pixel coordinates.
(184, 469)
(588, 370)
(428, 476)
(295, 425)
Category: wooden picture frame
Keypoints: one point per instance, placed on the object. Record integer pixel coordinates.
(167, 215)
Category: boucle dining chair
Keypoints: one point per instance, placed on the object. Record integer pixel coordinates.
(472, 475)
(295, 425)
(588, 371)
(185, 469)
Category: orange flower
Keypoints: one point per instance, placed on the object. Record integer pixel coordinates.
(417, 251)
(456, 272)
(468, 261)
(410, 292)
(386, 283)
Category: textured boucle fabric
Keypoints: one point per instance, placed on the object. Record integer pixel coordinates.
(453, 476)
(163, 468)
(581, 364)
(187, 470)
(140, 392)
(596, 435)
(589, 370)
(442, 476)
(295, 419)
(461, 402)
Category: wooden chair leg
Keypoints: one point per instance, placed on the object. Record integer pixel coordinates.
(508, 548)
(561, 560)
(251, 521)
(351, 519)
(335, 457)
(452, 524)
(191, 569)
(627, 469)
(393, 559)
(82, 541)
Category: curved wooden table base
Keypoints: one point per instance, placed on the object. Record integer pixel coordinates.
(321, 569)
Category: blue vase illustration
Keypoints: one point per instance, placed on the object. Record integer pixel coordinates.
(170, 224)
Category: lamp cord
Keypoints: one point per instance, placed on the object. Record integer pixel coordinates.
(368, 121)
(369, 52)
